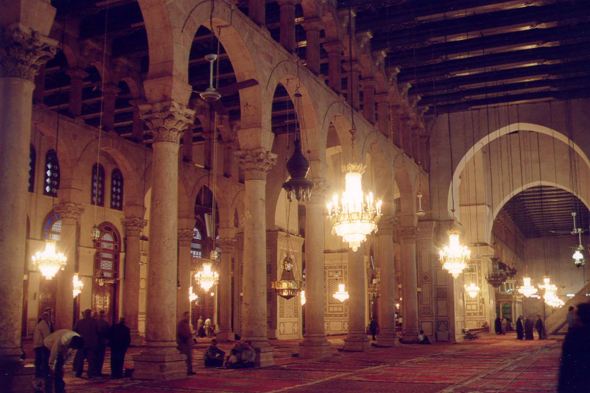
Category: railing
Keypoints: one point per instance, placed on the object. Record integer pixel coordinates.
(557, 320)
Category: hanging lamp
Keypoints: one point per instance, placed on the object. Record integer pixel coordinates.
(527, 289)
(472, 290)
(454, 256)
(287, 287)
(49, 261)
(341, 294)
(78, 285)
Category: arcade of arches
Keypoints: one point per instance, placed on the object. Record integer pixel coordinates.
(116, 137)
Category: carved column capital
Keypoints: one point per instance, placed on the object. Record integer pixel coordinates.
(133, 226)
(76, 73)
(166, 120)
(22, 54)
(110, 90)
(319, 193)
(69, 211)
(407, 233)
(226, 244)
(185, 236)
(386, 225)
(256, 163)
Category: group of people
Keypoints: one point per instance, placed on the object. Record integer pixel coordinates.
(525, 326)
(205, 328)
(574, 373)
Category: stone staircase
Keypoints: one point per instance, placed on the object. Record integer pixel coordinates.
(556, 321)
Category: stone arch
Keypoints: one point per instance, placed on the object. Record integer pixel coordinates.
(221, 200)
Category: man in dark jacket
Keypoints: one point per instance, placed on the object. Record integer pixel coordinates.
(86, 327)
(574, 373)
(120, 339)
(528, 329)
(540, 328)
(498, 325)
(373, 327)
(519, 329)
(103, 336)
(184, 339)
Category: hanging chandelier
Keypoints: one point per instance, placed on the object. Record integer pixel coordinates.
(527, 289)
(550, 296)
(472, 290)
(354, 216)
(207, 277)
(287, 287)
(298, 184)
(78, 285)
(454, 256)
(498, 275)
(191, 295)
(48, 262)
(341, 295)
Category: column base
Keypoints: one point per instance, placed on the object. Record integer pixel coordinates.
(386, 341)
(15, 377)
(225, 336)
(160, 363)
(264, 352)
(136, 339)
(410, 337)
(356, 343)
(314, 348)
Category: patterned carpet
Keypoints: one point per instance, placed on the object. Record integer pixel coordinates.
(490, 364)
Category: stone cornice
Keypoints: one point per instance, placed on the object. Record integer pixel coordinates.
(133, 226)
(256, 163)
(166, 120)
(22, 54)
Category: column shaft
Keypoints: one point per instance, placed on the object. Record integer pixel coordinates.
(76, 86)
(187, 145)
(410, 285)
(133, 227)
(383, 113)
(137, 130)
(224, 289)
(39, 92)
(183, 303)
(334, 50)
(356, 340)
(108, 108)
(369, 99)
(312, 50)
(287, 29)
(387, 283)
(257, 11)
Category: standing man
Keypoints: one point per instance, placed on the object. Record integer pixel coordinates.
(184, 339)
(373, 327)
(528, 329)
(103, 336)
(539, 326)
(50, 319)
(62, 343)
(519, 329)
(87, 328)
(120, 339)
(570, 317)
(208, 327)
(41, 352)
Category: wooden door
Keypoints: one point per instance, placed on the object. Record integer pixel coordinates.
(104, 297)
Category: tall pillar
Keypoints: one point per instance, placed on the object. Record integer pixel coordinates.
(255, 163)
(334, 50)
(312, 28)
(385, 255)
(108, 107)
(287, 28)
(160, 359)
(133, 227)
(314, 342)
(356, 339)
(22, 53)
(76, 77)
(137, 128)
(383, 113)
(353, 70)
(226, 242)
(369, 99)
(257, 12)
(410, 284)
(183, 304)
(187, 144)
(228, 147)
(70, 213)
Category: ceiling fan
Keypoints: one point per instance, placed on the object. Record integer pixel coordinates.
(576, 230)
(213, 95)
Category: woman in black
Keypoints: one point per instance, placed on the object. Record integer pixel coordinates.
(574, 373)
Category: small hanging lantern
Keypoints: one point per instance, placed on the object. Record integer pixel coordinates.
(342, 294)
(472, 290)
(78, 285)
(298, 167)
(420, 212)
(49, 261)
(287, 287)
(95, 233)
(579, 257)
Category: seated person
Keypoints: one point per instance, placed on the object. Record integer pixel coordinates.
(243, 358)
(214, 356)
(235, 355)
(422, 338)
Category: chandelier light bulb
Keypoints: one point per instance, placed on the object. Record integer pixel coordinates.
(341, 295)
(354, 215)
(454, 256)
(48, 262)
(472, 290)
(527, 289)
(78, 285)
(207, 277)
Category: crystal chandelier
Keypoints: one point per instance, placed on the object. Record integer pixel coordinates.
(550, 295)
(472, 290)
(354, 216)
(49, 261)
(287, 287)
(207, 277)
(341, 295)
(527, 289)
(78, 285)
(191, 295)
(454, 256)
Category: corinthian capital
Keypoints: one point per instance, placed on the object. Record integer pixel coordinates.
(319, 193)
(408, 233)
(69, 211)
(133, 226)
(166, 120)
(256, 163)
(185, 236)
(22, 54)
(226, 244)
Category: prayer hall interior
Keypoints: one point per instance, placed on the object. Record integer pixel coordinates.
(298, 172)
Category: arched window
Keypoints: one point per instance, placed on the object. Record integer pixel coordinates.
(32, 162)
(197, 243)
(97, 185)
(51, 174)
(52, 227)
(107, 251)
(117, 190)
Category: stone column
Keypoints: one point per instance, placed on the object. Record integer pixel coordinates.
(108, 107)
(312, 28)
(255, 163)
(160, 359)
(314, 343)
(383, 113)
(39, 92)
(22, 52)
(76, 77)
(187, 144)
(356, 339)
(410, 284)
(425, 154)
(227, 244)
(183, 304)
(228, 158)
(137, 128)
(133, 227)
(353, 70)
(257, 12)
(334, 50)
(369, 99)
(68, 244)
(387, 283)
(208, 147)
(287, 29)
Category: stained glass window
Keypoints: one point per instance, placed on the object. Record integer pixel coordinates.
(32, 162)
(97, 185)
(117, 190)
(197, 244)
(52, 227)
(51, 184)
